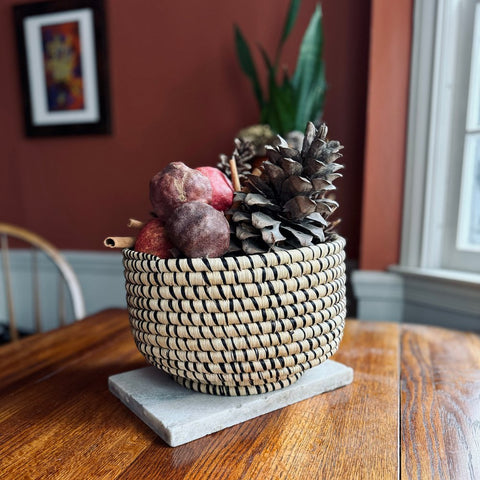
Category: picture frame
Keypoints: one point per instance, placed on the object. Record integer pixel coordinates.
(63, 67)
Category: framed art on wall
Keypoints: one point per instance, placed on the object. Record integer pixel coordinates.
(63, 67)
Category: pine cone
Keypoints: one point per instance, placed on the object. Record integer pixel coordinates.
(289, 204)
(244, 155)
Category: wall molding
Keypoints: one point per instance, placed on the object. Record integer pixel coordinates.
(446, 290)
(379, 295)
(101, 278)
(100, 275)
(415, 295)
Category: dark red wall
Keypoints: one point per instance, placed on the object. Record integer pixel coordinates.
(177, 95)
(390, 46)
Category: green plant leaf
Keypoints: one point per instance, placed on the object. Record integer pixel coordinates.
(282, 106)
(289, 24)
(317, 98)
(269, 114)
(268, 63)
(270, 117)
(290, 104)
(309, 73)
(248, 66)
(279, 108)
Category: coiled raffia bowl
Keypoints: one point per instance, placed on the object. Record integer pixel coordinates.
(238, 325)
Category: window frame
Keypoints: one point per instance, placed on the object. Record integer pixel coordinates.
(429, 165)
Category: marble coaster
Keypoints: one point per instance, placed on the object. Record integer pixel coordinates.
(179, 415)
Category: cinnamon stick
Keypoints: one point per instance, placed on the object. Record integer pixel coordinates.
(134, 223)
(119, 242)
(234, 173)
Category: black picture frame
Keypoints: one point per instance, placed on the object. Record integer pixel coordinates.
(64, 77)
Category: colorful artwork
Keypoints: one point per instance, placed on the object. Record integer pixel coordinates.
(63, 67)
(62, 62)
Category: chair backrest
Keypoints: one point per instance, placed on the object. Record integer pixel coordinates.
(66, 275)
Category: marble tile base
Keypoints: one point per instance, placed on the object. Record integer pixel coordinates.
(179, 415)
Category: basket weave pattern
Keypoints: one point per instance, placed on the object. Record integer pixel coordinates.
(238, 325)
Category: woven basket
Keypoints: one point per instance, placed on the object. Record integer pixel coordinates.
(238, 325)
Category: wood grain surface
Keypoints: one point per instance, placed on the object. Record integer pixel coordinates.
(440, 402)
(58, 419)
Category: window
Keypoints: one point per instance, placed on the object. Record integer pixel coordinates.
(468, 230)
(441, 228)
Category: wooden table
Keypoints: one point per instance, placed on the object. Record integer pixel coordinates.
(414, 407)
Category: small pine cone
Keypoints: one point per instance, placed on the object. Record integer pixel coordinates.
(244, 155)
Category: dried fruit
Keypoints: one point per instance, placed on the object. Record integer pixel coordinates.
(222, 188)
(152, 239)
(177, 184)
(198, 230)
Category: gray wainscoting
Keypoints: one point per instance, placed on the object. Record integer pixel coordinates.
(414, 296)
(100, 275)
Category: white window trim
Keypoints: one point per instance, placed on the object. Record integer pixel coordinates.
(431, 102)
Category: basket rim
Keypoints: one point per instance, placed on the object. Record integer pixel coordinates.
(134, 275)
(206, 264)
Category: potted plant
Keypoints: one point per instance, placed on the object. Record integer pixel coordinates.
(289, 101)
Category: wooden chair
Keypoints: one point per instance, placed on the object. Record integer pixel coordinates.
(67, 276)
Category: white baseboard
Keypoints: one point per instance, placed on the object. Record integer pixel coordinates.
(416, 296)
